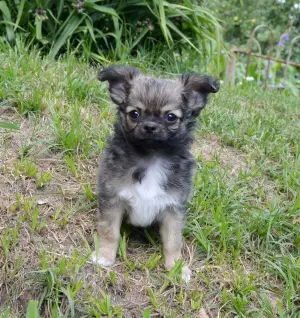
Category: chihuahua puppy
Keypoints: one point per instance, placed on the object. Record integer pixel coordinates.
(145, 174)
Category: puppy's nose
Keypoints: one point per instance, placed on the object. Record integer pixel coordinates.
(150, 128)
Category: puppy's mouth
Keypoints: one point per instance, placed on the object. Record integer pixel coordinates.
(157, 141)
(149, 131)
(148, 144)
(151, 137)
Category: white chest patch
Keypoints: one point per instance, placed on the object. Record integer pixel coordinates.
(148, 198)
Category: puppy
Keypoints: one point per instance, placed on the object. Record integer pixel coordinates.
(145, 174)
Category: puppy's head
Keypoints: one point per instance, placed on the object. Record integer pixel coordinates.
(157, 109)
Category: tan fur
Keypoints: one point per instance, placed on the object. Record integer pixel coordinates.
(109, 235)
(171, 109)
(171, 234)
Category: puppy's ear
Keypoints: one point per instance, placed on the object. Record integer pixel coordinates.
(119, 78)
(196, 88)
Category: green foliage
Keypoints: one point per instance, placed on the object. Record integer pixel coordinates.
(43, 179)
(26, 167)
(275, 80)
(103, 306)
(239, 18)
(111, 30)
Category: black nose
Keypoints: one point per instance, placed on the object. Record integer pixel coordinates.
(150, 128)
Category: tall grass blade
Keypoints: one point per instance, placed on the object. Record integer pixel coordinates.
(99, 58)
(67, 30)
(139, 38)
(102, 9)
(60, 8)
(38, 28)
(20, 12)
(174, 28)
(118, 35)
(7, 18)
(163, 22)
(90, 28)
(67, 293)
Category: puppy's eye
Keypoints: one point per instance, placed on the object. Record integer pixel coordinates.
(171, 117)
(134, 114)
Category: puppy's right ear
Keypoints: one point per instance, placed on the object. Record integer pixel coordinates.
(119, 78)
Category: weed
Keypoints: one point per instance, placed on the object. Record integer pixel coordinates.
(146, 313)
(16, 206)
(26, 167)
(88, 192)
(43, 179)
(152, 261)
(153, 298)
(9, 238)
(99, 307)
(71, 165)
(123, 252)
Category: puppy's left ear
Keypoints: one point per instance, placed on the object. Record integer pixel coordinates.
(119, 78)
(196, 88)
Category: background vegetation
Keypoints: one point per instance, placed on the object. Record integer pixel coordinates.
(239, 18)
(173, 31)
(103, 30)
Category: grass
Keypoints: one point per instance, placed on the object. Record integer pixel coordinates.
(242, 233)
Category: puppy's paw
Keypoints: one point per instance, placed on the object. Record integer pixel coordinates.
(186, 274)
(101, 260)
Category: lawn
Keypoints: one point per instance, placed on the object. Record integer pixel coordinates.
(242, 235)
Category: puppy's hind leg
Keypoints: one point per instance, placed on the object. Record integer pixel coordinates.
(109, 224)
(171, 227)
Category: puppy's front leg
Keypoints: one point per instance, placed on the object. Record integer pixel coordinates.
(109, 224)
(171, 228)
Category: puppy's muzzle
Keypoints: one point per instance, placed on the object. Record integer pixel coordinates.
(149, 128)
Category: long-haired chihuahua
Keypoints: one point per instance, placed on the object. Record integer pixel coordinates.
(146, 171)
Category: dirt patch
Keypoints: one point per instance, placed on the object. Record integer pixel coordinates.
(209, 147)
(34, 136)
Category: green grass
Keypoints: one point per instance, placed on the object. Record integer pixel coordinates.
(243, 229)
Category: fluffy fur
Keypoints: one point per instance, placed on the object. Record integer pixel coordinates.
(145, 174)
(148, 197)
